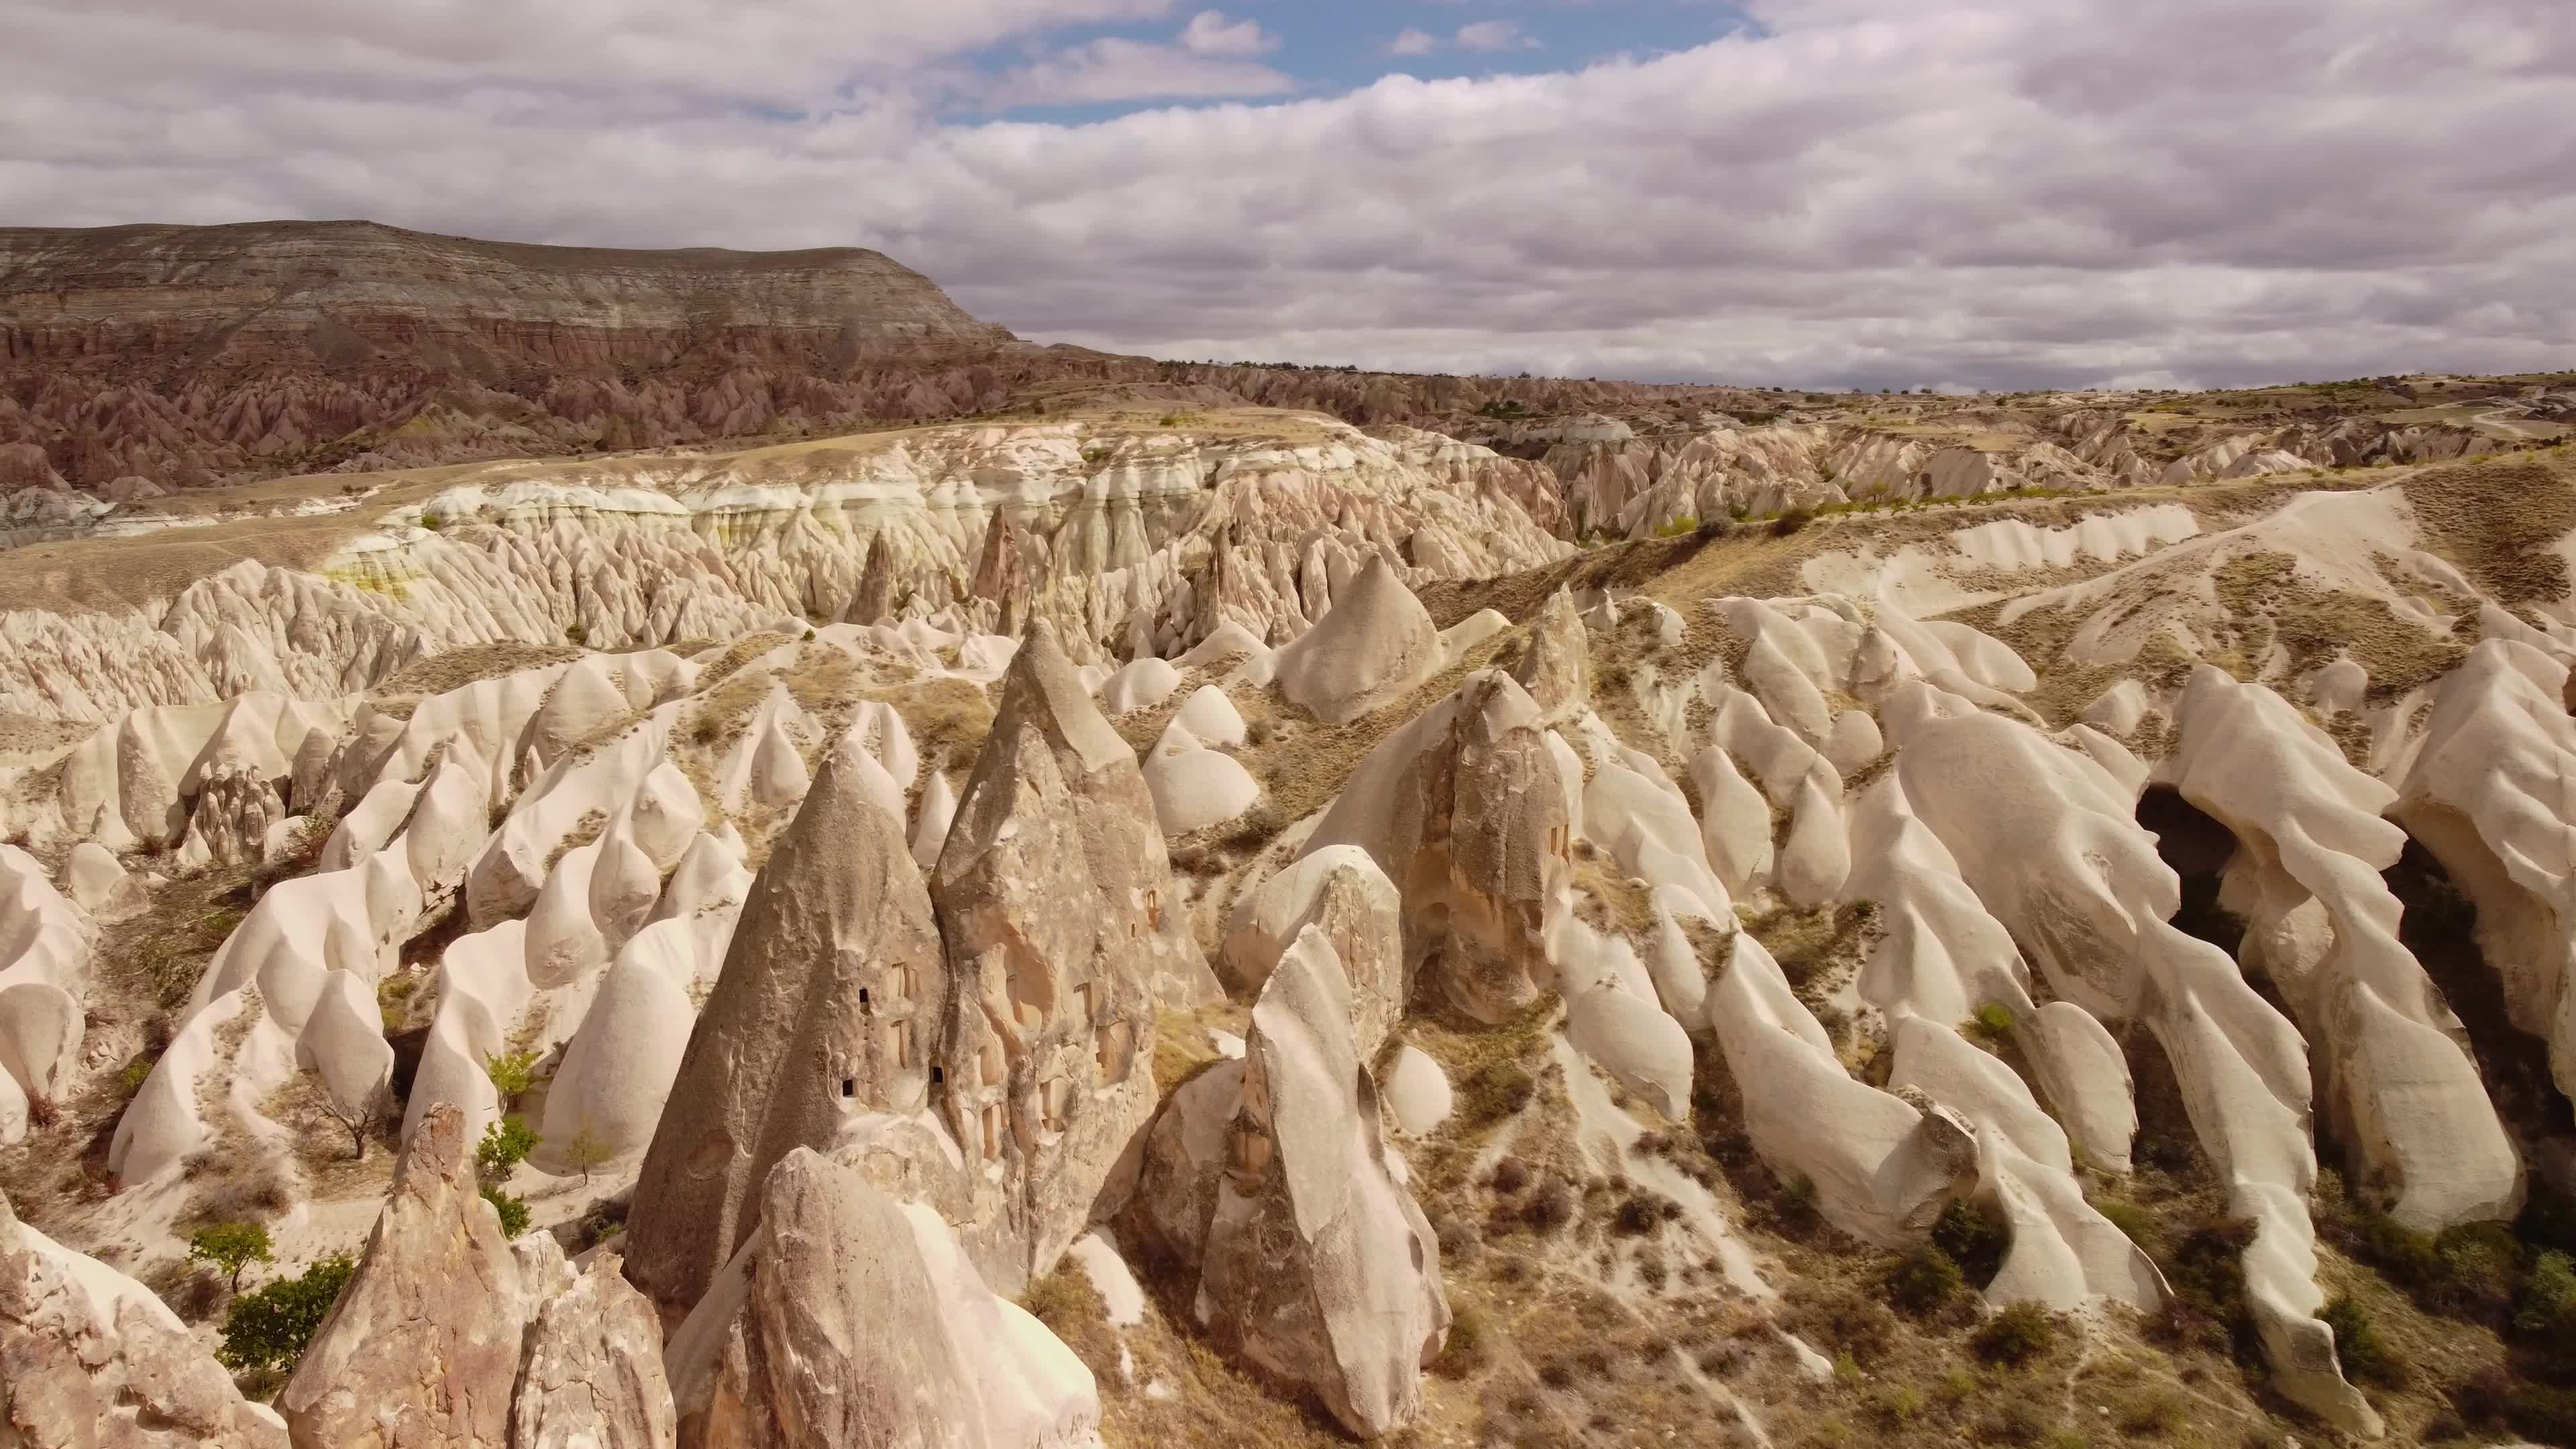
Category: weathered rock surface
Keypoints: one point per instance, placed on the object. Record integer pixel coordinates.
(831, 1004)
(424, 1344)
(1342, 890)
(1064, 930)
(1376, 644)
(1465, 810)
(1273, 1181)
(850, 1319)
(90, 1357)
(594, 1376)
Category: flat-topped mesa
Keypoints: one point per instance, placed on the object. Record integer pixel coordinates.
(1064, 931)
(347, 293)
(830, 1006)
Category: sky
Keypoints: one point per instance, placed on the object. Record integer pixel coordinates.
(1874, 193)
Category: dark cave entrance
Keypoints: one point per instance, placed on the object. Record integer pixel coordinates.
(2197, 845)
(2440, 927)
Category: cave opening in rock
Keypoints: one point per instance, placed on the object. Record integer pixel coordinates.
(2440, 926)
(2197, 845)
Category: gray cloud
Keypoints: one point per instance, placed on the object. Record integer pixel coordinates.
(1879, 192)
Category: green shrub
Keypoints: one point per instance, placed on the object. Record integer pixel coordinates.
(2129, 1218)
(1687, 523)
(1924, 1281)
(1792, 521)
(135, 1073)
(2365, 1355)
(512, 1074)
(1975, 1242)
(231, 1247)
(269, 1328)
(505, 1145)
(1466, 1351)
(513, 1211)
(2548, 1310)
(576, 633)
(433, 521)
(1995, 1020)
(2206, 1271)
(2018, 1334)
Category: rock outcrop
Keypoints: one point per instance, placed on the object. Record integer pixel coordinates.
(1064, 931)
(594, 1377)
(1465, 810)
(423, 1346)
(89, 1357)
(831, 1005)
(1375, 644)
(850, 1319)
(1269, 1176)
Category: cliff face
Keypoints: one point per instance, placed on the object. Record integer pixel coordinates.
(165, 299)
(140, 358)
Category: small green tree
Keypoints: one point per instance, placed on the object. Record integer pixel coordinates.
(587, 1151)
(513, 1211)
(231, 1247)
(505, 1145)
(512, 1074)
(269, 1328)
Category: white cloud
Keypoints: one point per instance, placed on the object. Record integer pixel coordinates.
(1494, 35)
(1412, 42)
(1113, 69)
(1992, 192)
(1211, 33)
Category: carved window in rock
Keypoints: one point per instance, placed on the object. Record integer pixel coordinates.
(907, 982)
(1154, 909)
(988, 1063)
(1051, 1101)
(899, 1044)
(1251, 1149)
(1031, 997)
(1087, 996)
(1559, 841)
(1116, 1051)
(991, 1121)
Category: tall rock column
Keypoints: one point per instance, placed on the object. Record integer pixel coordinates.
(830, 1007)
(1064, 930)
(423, 1346)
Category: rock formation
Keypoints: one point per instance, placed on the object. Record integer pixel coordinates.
(1063, 930)
(1464, 809)
(594, 1377)
(424, 1344)
(89, 1357)
(1270, 1178)
(831, 1004)
(852, 1319)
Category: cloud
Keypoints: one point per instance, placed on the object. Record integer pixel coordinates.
(1210, 33)
(1494, 35)
(1112, 69)
(1874, 192)
(1412, 42)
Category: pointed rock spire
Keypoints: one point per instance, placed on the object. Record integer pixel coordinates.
(1064, 929)
(829, 1007)
(874, 603)
(423, 1346)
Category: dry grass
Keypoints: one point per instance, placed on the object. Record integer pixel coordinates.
(458, 668)
(948, 718)
(2498, 519)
